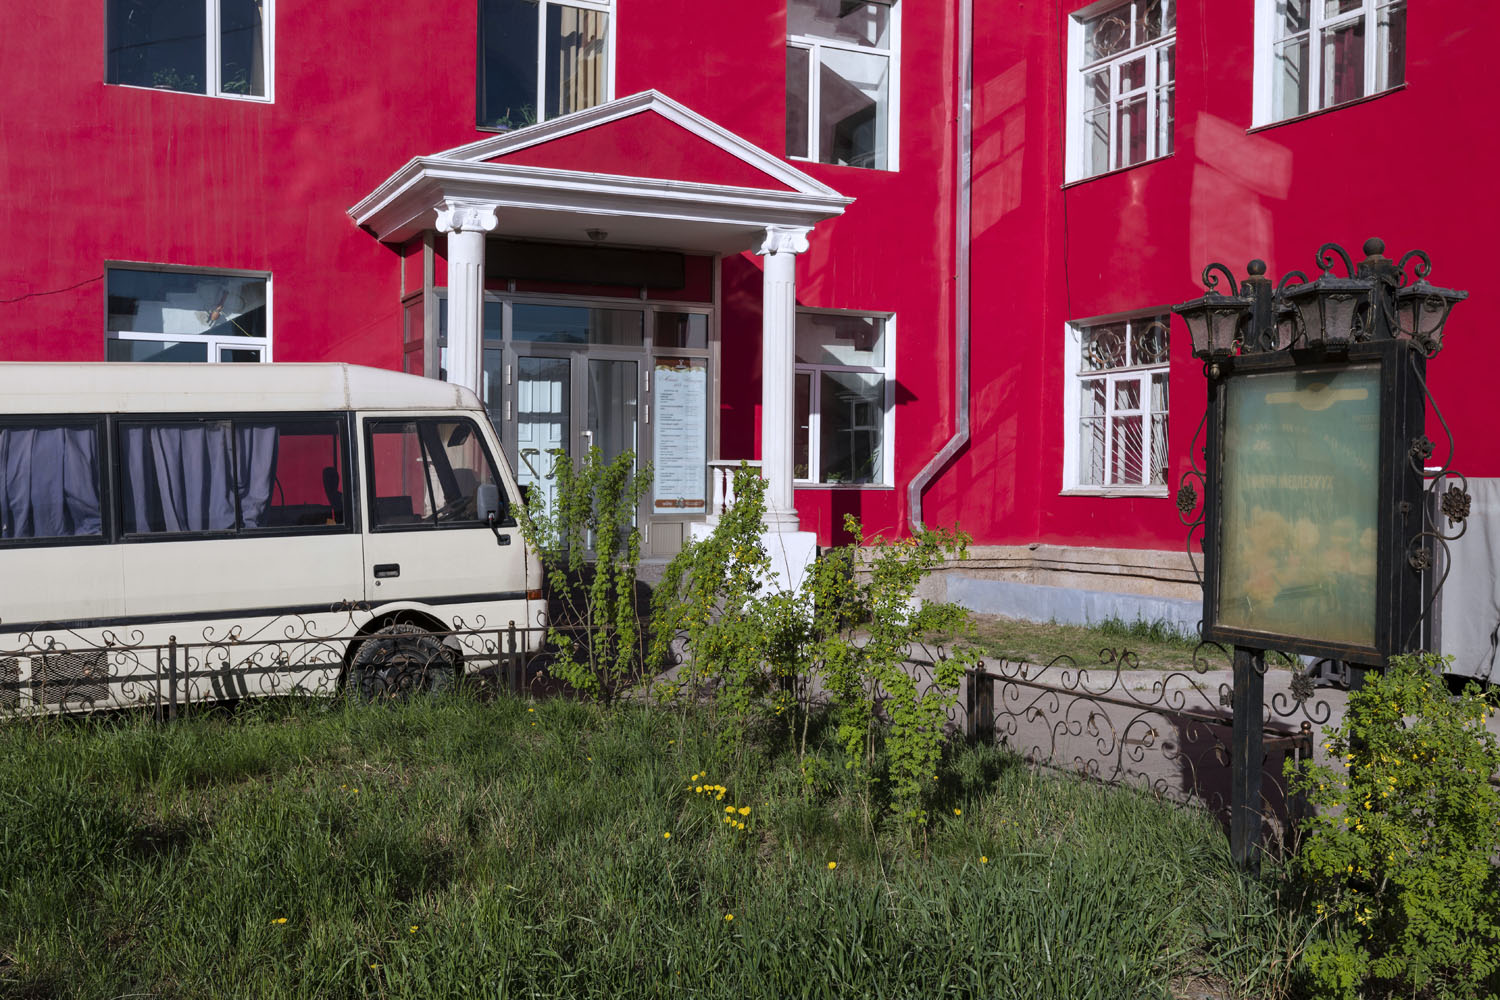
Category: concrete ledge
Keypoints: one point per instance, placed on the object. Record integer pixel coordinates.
(1069, 606)
(1143, 572)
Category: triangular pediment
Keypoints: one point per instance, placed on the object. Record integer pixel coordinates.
(646, 135)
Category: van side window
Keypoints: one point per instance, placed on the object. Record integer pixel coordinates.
(230, 476)
(49, 481)
(427, 472)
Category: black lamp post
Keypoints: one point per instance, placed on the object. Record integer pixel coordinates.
(1372, 317)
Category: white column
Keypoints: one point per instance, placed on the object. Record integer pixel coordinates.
(466, 226)
(777, 379)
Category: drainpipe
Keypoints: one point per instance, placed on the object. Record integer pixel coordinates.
(960, 436)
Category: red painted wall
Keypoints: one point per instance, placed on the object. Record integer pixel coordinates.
(1412, 166)
(93, 173)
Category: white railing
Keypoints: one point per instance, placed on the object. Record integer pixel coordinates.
(721, 484)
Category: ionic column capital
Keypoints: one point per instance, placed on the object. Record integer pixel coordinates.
(784, 239)
(466, 217)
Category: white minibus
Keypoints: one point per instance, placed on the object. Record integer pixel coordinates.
(192, 532)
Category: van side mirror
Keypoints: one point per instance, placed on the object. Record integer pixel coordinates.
(488, 500)
(491, 510)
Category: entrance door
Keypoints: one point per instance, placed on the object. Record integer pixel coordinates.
(571, 402)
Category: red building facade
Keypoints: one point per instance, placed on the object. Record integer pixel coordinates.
(1038, 180)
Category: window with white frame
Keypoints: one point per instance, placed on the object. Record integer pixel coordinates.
(842, 64)
(539, 59)
(217, 47)
(1121, 85)
(842, 399)
(1116, 400)
(1315, 54)
(186, 315)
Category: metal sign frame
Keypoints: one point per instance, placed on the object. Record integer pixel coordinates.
(1398, 577)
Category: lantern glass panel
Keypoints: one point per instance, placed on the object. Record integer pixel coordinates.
(1225, 327)
(1339, 310)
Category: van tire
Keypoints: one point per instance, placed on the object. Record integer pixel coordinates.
(399, 661)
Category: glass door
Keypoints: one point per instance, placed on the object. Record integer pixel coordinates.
(613, 407)
(544, 419)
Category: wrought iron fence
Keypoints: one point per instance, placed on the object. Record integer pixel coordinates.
(1166, 731)
(52, 671)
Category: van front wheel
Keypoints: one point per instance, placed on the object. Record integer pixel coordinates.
(397, 662)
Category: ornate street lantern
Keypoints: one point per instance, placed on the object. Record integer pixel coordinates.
(1333, 312)
(1421, 312)
(1328, 314)
(1216, 322)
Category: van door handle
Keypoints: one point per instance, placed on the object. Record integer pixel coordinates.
(384, 571)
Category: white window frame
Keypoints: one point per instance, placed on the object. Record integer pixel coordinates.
(814, 45)
(1263, 111)
(1074, 377)
(886, 371)
(214, 43)
(214, 343)
(1076, 166)
(611, 29)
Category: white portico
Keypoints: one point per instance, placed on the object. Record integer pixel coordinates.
(568, 182)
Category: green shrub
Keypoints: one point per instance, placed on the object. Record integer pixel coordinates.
(1400, 857)
(590, 546)
(845, 635)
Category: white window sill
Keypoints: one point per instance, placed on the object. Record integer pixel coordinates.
(1114, 491)
(1262, 126)
(1120, 170)
(845, 166)
(248, 98)
(804, 485)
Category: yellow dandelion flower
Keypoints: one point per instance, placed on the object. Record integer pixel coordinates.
(832, 865)
(279, 920)
(412, 929)
(744, 810)
(671, 742)
(729, 809)
(729, 916)
(355, 791)
(739, 826)
(958, 812)
(698, 789)
(983, 860)
(531, 710)
(667, 835)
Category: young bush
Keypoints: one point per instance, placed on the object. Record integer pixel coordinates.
(845, 635)
(1400, 858)
(590, 547)
(863, 644)
(710, 604)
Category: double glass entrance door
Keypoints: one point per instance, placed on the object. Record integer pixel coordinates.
(569, 402)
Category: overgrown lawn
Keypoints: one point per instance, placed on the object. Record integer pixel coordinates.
(465, 847)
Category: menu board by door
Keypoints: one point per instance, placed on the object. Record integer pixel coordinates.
(680, 435)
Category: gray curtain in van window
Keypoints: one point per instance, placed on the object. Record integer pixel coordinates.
(49, 486)
(178, 477)
(255, 456)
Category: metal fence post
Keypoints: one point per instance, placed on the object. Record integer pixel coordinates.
(513, 661)
(1247, 757)
(172, 677)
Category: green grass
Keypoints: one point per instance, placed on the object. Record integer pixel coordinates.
(1157, 645)
(460, 847)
